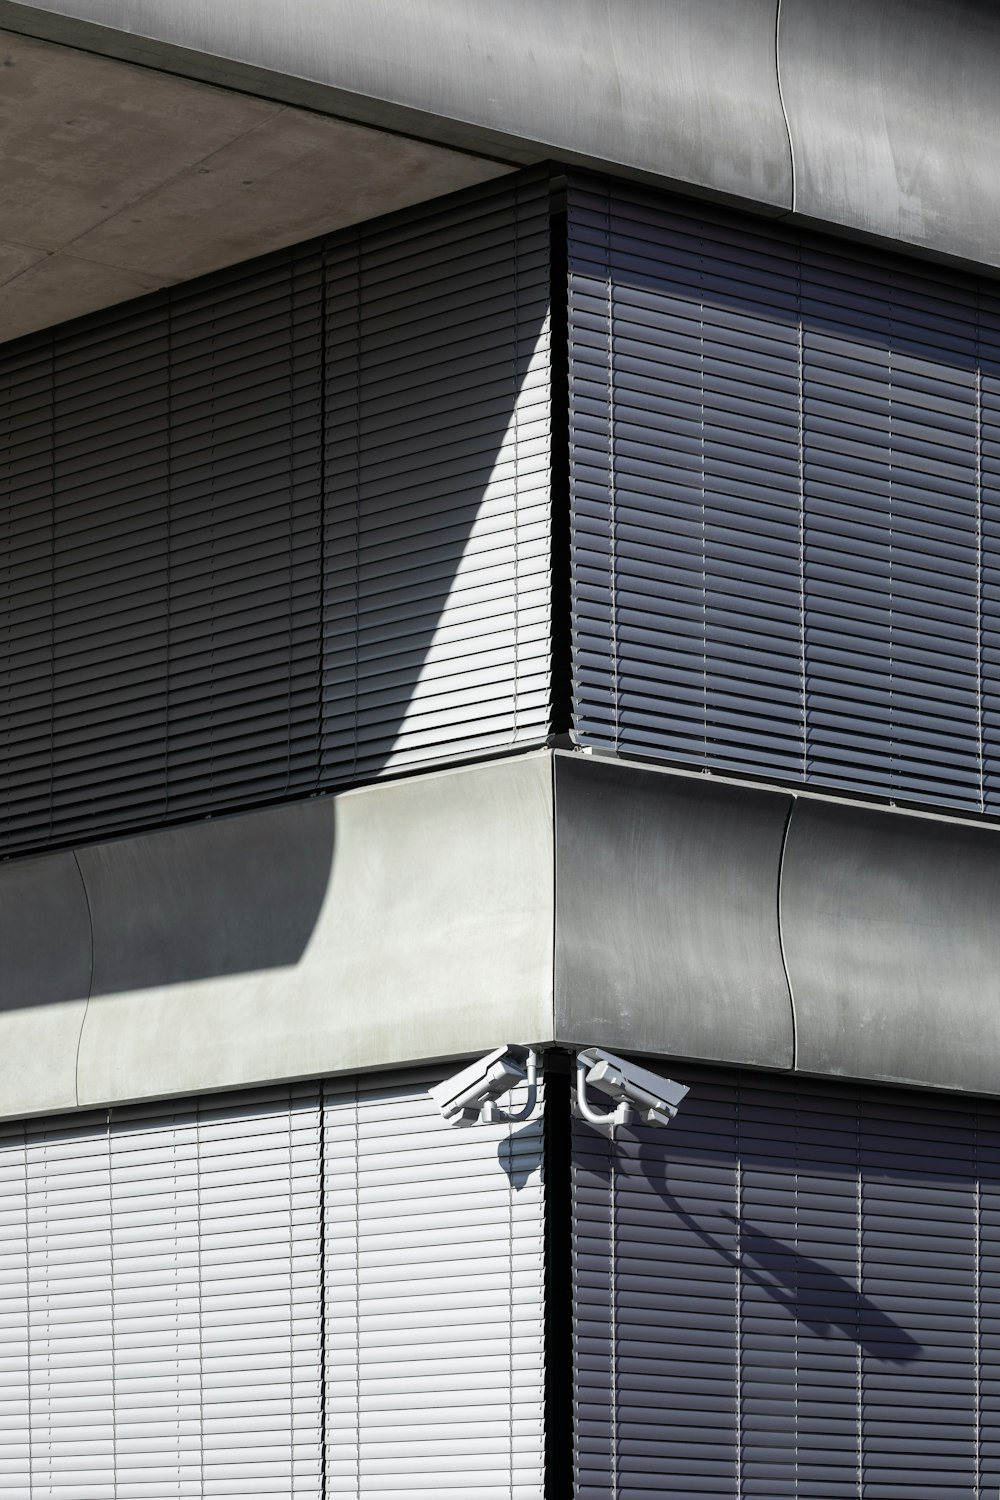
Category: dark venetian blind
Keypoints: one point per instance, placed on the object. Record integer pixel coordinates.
(281, 527)
(788, 1292)
(785, 467)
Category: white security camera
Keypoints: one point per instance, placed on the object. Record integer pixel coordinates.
(471, 1095)
(635, 1091)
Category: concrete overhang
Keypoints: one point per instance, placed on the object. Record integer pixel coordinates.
(117, 179)
(551, 898)
(877, 117)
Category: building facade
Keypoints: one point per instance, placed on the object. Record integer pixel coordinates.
(502, 540)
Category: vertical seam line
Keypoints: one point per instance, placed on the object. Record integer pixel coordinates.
(980, 754)
(781, 100)
(739, 1298)
(801, 403)
(28, 1299)
(781, 933)
(977, 1295)
(323, 1393)
(90, 979)
(516, 421)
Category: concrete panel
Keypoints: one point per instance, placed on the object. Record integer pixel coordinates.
(117, 179)
(296, 175)
(393, 924)
(666, 914)
(894, 112)
(16, 258)
(45, 965)
(63, 286)
(891, 928)
(85, 136)
(685, 90)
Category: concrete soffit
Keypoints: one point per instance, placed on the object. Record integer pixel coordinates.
(117, 179)
(550, 898)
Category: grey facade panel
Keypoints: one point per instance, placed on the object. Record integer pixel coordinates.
(785, 1293)
(889, 930)
(784, 481)
(395, 923)
(46, 960)
(666, 927)
(280, 528)
(894, 115)
(876, 116)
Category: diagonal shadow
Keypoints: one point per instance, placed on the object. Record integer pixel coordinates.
(827, 1303)
(260, 549)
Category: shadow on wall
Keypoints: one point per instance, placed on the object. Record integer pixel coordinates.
(813, 1295)
(519, 1153)
(286, 519)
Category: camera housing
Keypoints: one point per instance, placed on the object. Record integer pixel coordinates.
(634, 1091)
(470, 1096)
(637, 1095)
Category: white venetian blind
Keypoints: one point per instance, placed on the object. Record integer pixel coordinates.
(160, 1301)
(434, 1300)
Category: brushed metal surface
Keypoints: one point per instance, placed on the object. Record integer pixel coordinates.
(894, 113)
(685, 90)
(892, 938)
(666, 914)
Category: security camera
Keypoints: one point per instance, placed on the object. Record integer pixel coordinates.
(471, 1095)
(634, 1090)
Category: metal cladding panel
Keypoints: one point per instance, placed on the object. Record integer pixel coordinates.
(789, 1292)
(309, 1291)
(434, 1320)
(784, 468)
(281, 527)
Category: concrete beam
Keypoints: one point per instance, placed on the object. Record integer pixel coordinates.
(395, 924)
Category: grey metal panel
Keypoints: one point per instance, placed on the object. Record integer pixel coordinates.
(889, 926)
(393, 924)
(45, 974)
(638, 84)
(195, 903)
(894, 113)
(666, 914)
